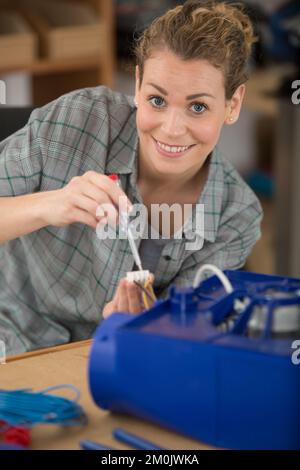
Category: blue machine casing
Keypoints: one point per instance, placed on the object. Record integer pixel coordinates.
(173, 366)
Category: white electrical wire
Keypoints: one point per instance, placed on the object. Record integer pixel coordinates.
(212, 269)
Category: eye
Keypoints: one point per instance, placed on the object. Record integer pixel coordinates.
(198, 108)
(156, 101)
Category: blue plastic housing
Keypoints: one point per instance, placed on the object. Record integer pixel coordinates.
(173, 366)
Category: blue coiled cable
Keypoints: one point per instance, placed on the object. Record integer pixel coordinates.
(28, 408)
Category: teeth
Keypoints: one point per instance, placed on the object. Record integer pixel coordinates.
(172, 149)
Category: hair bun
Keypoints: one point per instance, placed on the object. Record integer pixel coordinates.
(191, 5)
(217, 31)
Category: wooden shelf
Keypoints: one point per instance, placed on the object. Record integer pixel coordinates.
(54, 77)
(262, 86)
(47, 66)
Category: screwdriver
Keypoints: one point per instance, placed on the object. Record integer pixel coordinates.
(124, 221)
(141, 275)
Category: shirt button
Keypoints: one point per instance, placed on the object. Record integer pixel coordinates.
(167, 257)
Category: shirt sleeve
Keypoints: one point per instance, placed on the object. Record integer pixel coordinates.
(62, 139)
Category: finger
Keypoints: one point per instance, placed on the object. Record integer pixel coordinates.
(134, 298)
(95, 193)
(86, 204)
(107, 206)
(82, 185)
(101, 203)
(115, 193)
(108, 309)
(109, 211)
(100, 227)
(122, 298)
(117, 292)
(83, 217)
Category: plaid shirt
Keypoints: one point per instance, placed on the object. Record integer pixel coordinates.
(54, 282)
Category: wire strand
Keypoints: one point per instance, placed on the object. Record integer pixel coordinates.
(28, 408)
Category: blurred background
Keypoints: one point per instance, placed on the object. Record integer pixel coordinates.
(48, 48)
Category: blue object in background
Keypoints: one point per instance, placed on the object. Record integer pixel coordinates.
(8, 446)
(134, 441)
(284, 25)
(261, 183)
(91, 445)
(172, 365)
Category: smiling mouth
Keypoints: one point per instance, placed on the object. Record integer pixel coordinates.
(172, 149)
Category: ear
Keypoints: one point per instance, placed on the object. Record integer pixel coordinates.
(234, 105)
(137, 84)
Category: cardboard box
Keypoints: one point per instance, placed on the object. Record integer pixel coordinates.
(66, 29)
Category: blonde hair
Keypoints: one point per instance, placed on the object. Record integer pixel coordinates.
(220, 33)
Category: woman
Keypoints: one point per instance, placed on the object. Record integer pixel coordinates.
(57, 278)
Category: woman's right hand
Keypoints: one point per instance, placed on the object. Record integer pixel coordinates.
(80, 199)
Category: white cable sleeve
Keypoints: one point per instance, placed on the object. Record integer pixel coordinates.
(212, 269)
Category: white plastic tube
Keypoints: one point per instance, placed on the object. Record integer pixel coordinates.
(212, 269)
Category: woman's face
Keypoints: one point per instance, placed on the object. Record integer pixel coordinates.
(181, 108)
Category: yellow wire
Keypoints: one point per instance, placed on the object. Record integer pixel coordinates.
(145, 300)
(149, 288)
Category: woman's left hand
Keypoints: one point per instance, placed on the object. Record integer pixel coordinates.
(128, 298)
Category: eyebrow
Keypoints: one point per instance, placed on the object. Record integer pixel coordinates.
(189, 97)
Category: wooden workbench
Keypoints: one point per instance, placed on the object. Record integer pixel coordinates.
(68, 364)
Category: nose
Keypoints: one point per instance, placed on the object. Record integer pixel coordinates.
(173, 124)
